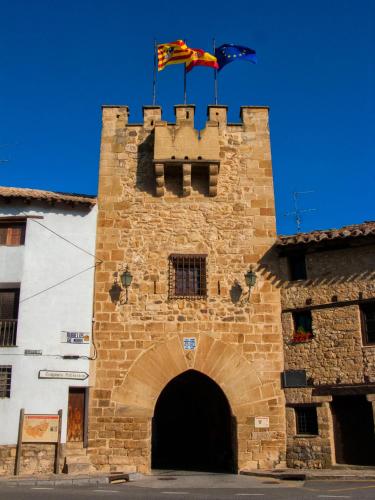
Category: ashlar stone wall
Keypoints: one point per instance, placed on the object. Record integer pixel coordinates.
(140, 343)
(338, 281)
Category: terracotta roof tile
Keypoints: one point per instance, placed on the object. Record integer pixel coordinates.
(48, 196)
(354, 231)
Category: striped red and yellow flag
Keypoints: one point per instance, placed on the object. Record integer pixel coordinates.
(173, 53)
(201, 58)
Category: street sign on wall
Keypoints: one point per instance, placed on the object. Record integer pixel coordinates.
(75, 337)
(59, 374)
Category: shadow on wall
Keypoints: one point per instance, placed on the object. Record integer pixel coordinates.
(145, 177)
(235, 292)
(274, 268)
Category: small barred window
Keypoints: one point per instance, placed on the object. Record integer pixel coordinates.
(306, 420)
(5, 380)
(187, 276)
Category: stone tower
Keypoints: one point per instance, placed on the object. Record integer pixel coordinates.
(188, 356)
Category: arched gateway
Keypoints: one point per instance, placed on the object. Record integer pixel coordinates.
(167, 387)
(192, 427)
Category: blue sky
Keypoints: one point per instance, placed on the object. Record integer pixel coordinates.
(61, 60)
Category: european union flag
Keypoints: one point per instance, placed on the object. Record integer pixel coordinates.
(228, 52)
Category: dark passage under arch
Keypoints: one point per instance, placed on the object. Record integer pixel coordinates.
(192, 428)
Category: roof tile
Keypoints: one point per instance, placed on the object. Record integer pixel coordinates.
(48, 196)
(353, 231)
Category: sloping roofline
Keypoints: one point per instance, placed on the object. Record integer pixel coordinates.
(365, 229)
(26, 194)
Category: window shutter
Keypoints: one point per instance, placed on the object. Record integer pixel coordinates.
(3, 235)
(16, 235)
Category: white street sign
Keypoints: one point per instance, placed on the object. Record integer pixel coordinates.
(63, 375)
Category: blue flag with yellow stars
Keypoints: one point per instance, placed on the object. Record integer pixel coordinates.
(228, 52)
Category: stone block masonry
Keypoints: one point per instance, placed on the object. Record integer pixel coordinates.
(214, 199)
(35, 459)
(338, 361)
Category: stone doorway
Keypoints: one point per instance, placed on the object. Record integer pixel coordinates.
(354, 430)
(192, 427)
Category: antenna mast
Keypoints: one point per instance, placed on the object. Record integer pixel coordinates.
(297, 212)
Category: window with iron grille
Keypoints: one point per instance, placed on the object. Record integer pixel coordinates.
(187, 276)
(12, 234)
(306, 420)
(9, 300)
(5, 380)
(368, 323)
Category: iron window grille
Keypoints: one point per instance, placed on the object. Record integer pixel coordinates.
(368, 323)
(5, 381)
(187, 276)
(306, 420)
(9, 301)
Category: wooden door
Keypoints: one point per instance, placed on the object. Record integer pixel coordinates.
(76, 413)
(354, 430)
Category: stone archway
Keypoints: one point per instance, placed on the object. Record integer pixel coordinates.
(192, 427)
(240, 380)
(248, 386)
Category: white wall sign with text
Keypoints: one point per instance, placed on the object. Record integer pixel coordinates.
(63, 375)
(75, 337)
(262, 422)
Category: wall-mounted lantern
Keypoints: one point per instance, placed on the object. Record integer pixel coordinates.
(250, 280)
(122, 280)
(126, 280)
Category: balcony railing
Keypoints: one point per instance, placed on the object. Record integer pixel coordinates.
(8, 332)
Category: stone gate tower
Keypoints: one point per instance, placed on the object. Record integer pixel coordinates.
(188, 356)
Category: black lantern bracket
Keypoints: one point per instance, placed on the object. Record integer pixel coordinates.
(250, 280)
(123, 279)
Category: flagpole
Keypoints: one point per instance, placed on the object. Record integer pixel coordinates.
(215, 75)
(185, 98)
(154, 80)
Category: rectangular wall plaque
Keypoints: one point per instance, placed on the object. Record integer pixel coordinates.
(262, 422)
(75, 337)
(63, 375)
(190, 343)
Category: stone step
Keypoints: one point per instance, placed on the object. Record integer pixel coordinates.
(79, 459)
(353, 467)
(75, 452)
(72, 468)
(73, 445)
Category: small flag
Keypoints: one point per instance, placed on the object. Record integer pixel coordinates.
(228, 52)
(201, 58)
(173, 53)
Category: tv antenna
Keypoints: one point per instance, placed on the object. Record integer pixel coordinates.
(297, 212)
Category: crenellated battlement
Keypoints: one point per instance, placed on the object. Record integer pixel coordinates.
(181, 152)
(217, 115)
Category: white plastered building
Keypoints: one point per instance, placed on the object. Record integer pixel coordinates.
(47, 264)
